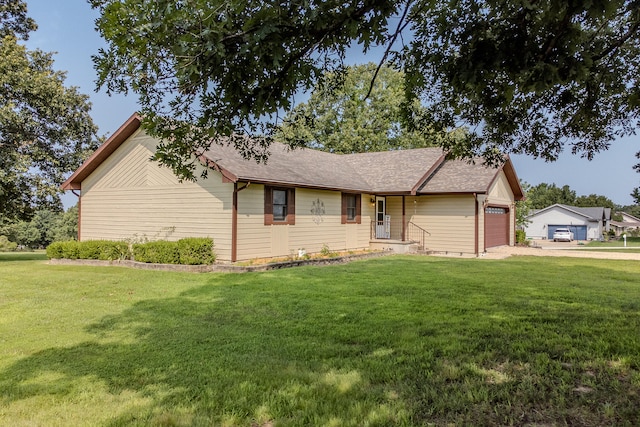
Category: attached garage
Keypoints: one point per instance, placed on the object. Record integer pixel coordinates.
(496, 226)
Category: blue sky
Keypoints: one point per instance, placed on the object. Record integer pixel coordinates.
(67, 27)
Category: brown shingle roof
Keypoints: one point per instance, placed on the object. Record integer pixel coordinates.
(394, 171)
(302, 167)
(459, 176)
(416, 171)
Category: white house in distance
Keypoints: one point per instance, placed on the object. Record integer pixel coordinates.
(585, 223)
(300, 199)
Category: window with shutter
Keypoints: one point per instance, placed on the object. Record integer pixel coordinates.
(279, 205)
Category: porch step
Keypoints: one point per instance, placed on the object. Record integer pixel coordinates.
(426, 252)
(398, 246)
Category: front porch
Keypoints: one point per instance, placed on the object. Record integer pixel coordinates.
(401, 236)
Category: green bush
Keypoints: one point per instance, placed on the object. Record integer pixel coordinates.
(54, 250)
(196, 250)
(69, 250)
(114, 250)
(90, 249)
(103, 250)
(192, 251)
(6, 245)
(158, 252)
(521, 237)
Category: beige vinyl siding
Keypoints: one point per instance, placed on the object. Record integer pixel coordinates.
(450, 220)
(368, 216)
(500, 191)
(501, 194)
(394, 210)
(129, 197)
(254, 238)
(311, 232)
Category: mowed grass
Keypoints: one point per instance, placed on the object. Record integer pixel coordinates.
(633, 245)
(615, 243)
(391, 341)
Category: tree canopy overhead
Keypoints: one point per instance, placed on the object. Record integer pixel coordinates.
(45, 128)
(524, 76)
(347, 114)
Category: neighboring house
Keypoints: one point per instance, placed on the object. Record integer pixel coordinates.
(586, 223)
(300, 199)
(628, 223)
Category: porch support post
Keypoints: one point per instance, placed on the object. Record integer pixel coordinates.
(477, 225)
(404, 222)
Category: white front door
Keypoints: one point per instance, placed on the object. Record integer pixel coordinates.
(383, 221)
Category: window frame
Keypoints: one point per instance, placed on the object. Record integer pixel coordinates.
(344, 217)
(290, 206)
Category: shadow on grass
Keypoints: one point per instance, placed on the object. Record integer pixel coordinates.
(441, 349)
(23, 256)
(218, 361)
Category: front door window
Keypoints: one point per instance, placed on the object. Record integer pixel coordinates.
(383, 222)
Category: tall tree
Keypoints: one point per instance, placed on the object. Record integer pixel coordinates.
(542, 195)
(523, 207)
(45, 127)
(636, 191)
(14, 20)
(524, 76)
(346, 114)
(594, 200)
(66, 226)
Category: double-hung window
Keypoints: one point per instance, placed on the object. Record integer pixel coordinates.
(351, 208)
(279, 205)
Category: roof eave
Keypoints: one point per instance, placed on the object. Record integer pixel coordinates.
(451, 193)
(227, 175)
(512, 178)
(276, 183)
(74, 182)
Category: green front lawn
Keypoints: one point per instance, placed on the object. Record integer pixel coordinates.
(403, 340)
(614, 243)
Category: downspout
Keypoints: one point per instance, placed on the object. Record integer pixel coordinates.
(404, 222)
(79, 196)
(234, 221)
(477, 225)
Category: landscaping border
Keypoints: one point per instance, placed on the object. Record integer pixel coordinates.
(219, 268)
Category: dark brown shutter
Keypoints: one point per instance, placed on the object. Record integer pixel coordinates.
(268, 205)
(291, 206)
(343, 215)
(358, 208)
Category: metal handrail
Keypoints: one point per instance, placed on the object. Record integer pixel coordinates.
(417, 234)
